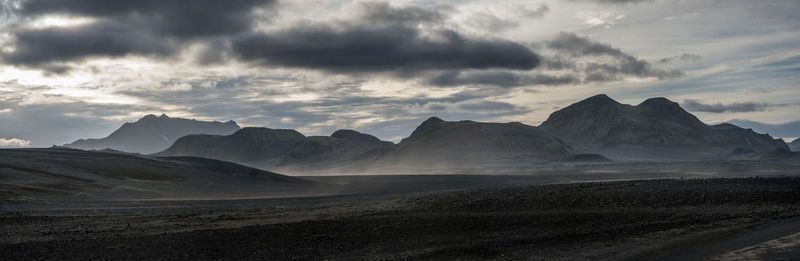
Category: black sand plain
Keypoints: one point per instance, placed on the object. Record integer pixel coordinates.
(632, 211)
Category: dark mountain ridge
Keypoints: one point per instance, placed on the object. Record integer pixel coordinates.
(447, 144)
(282, 148)
(655, 127)
(435, 144)
(795, 145)
(152, 134)
(787, 129)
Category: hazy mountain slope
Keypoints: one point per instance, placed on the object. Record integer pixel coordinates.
(82, 174)
(788, 129)
(344, 149)
(657, 126)
(770, 155)
(152, 134)
(245, 145)
(271, 148)
(464, 144)
(434, 144)
(795, 145)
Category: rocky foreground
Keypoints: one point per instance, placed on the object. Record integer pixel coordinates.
(673, 219)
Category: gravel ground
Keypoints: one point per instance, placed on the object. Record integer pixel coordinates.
(636, 220)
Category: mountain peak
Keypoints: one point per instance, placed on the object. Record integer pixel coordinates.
(432, 120)
(345, 134)
(658, 101)
(154, 133)
(149, 117)
(426, 126)
(663, 108)
(600, 98)
(654, 123)
(444, 143)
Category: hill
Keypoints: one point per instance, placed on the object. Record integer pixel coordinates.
(437, 144)
(152, 134)
(77, 174)
(283, 148)
(655, 129)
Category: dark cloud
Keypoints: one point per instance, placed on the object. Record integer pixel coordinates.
(622, 63)
(575, 45)
(557, 62)
(126, 27)
(600, 77)
(380, 49)
(364, 48)
(501, 79)
(45, 46)
(182, 18)
(383, 13)
(384, 38)
(682, 57)
(695, 105)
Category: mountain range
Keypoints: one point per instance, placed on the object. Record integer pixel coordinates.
(435, 144)
(152, 134)
(595, 128)
(282, 148)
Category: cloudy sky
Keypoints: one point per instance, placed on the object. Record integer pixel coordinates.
(74, 69)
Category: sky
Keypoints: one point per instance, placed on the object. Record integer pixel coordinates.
(73, 69)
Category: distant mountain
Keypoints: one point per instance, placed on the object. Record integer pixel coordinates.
(282, 148)
(770, 155)
(152, 134)
(795, 145)
(789, 129)
(434, 144)
(600, 127)
(467, 144)
(655, 129)
(67, 174)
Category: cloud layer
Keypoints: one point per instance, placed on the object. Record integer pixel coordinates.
(621, 63)
(74, 69)
(695, 105)
(380, 49)
(119, 28)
